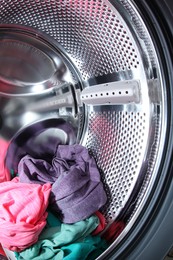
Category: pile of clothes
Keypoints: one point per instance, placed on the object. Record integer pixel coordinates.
(51, 196)
(50, 210)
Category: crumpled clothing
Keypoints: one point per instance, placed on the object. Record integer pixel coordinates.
(65, 241)
(22, 213)
(77, 191)
(4, 172)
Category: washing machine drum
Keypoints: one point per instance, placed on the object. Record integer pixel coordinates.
(105, 68)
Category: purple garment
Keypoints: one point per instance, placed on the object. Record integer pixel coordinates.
(77, 191)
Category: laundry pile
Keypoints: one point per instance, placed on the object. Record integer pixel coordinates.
(66, 241)
(50, 210)
(51, 195)
(77, 191)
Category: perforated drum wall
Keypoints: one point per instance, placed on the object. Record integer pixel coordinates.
(91, 33)
(105, 43)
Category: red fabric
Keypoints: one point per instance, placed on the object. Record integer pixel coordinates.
(102, 224)
(2, 251)
(114, 231)
(4, 173)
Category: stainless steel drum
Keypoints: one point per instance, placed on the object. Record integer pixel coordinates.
(94, 64)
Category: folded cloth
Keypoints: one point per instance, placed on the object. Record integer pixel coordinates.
(77, 191)
(4, 172)
(22, 213)
(64, 241)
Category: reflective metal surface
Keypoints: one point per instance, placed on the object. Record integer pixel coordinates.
(27, 65)
(44, 133)
(87, 44)
(35, 81)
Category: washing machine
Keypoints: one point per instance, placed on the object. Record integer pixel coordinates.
(106, 68)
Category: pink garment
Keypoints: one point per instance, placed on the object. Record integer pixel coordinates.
(102, 223)
(22, 213)
(4, 173)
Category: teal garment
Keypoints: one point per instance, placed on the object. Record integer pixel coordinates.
(52, 220)
(90, 248)
(64, 241)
